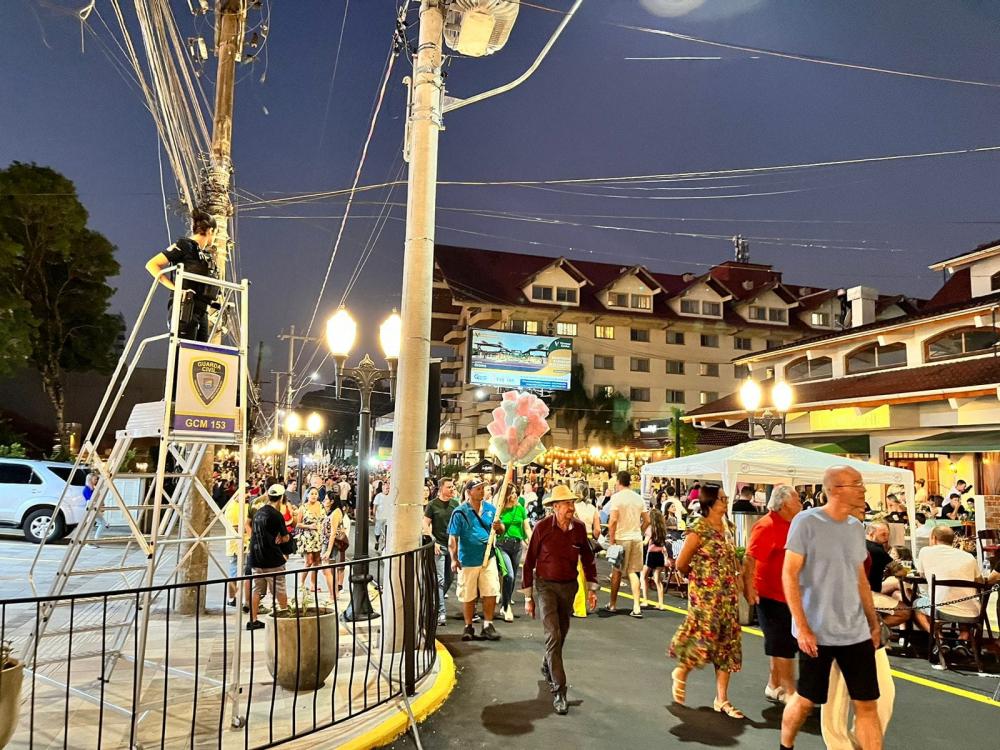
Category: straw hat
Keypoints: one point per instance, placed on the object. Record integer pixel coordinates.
(560, 493)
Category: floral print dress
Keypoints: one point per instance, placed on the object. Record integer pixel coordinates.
(711, 634)
(309, 539)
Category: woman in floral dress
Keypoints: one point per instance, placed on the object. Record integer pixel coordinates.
(310, 524)
(710, 634)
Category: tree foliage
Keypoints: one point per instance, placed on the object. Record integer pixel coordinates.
(575, 404)
(54, 272)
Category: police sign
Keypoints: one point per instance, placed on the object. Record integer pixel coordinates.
(206, 391)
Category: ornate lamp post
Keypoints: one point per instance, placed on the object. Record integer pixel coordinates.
(294, 425)
(769, 417)
(341, 331)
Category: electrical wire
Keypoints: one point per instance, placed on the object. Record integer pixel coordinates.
(333, 77)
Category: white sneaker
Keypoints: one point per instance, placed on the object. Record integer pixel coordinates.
(774, 694)
(508, 615)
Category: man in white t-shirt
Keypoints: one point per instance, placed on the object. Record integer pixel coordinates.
(380, 507)
(344, 488)
(945, 562)
(627, 522)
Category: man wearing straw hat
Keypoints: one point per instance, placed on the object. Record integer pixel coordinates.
(558, 543)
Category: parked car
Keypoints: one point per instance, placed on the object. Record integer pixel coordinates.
(29, 493)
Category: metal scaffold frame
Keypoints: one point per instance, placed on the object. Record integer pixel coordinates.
(160, 522)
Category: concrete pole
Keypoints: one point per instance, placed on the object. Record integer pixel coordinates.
(410, 428)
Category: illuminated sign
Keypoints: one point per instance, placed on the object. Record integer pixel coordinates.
(654, 428)
(850, 418)
(518, 360)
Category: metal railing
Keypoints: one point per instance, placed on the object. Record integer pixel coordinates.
(305, 671)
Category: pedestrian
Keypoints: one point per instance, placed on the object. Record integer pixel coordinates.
(833, 617)
(292, 495)
(762, 566)
(309, 523)
(710, 633)
(269, 531)
(437, 516)
(233, 509)
(516, 532)
(380, 513)
(558, 545)
(468, 535)
(627, 522)
(586, 513)
(100, 523)
(335, 542)
(657, 552)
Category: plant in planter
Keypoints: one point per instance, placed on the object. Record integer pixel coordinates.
(11, 677)
(302, 647)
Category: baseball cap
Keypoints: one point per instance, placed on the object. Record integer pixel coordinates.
(473, 483)
(275, 490)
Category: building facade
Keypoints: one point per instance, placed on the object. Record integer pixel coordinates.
(663, 341)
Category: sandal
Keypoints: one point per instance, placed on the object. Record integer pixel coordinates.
(728, 709)
(678, 688)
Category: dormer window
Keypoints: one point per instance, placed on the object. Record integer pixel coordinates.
(566, 294)
(541, 293)
(690, 306)
(642, 301)
(820, 319)
(757, 312)
(712, 309)
(617, 299)
(777, 314)
(995, 282)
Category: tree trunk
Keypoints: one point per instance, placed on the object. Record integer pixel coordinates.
(52, 383)
(575, 432)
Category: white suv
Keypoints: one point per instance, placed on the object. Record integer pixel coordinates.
(29, 492)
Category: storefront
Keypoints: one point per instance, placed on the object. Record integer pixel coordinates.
(943, 459)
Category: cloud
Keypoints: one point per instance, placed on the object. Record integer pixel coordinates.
(703, 10)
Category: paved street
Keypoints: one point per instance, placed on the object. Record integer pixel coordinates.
(620, 692)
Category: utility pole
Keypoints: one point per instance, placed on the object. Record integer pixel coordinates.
(291, 338)
(409, 434)
(215, 198)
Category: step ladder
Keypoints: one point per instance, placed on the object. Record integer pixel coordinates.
(113, 623)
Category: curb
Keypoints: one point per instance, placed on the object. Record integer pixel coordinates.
(423, 705)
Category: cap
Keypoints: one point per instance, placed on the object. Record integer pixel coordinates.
(473, 483)
(275, 490)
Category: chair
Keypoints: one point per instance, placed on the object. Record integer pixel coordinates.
(908, 592)
(989, 546)
(941, 620)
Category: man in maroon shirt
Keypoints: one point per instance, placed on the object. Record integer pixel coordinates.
(762, 565)
(558, 543)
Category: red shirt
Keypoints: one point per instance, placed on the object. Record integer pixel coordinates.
(553, 553)
(767, 547)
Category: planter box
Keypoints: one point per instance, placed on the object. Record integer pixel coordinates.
(11, 678)
(306, 649)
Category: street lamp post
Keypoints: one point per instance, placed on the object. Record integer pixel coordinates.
(769, 417)
(341, 330)
(294, 425)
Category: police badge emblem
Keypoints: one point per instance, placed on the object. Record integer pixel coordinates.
(209, 377)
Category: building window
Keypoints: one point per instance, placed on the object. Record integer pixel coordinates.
(675, 337)
(604, 332)
(639, 364)
(963, 342)
(604, 362)
(639, 334)
(639, 394)
(566, 294)
(675, 367)
(616, 299)
(541, 293)
(566, 329)
(777, 314)
(710, 340)
(603, 391)
(690, 306)
(709, 369)
(995, 282)
(713, 309)
(772, 343)
(675, 397)
(743, 343)
(809, 369)
(875, 357)
(820, 319)
(757, 313)
(524, 326)
(741, 372)
(642, 301)
(707, 397)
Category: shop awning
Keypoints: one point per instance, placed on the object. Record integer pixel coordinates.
(950, 442)
(841, 446)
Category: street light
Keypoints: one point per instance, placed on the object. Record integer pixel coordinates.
(782, 399)
(341, 332)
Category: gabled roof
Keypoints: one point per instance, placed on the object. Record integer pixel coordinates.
(565, 265)
(708, 280)
(639, 272)
(814, 300)
(980, 251)
(955, 290)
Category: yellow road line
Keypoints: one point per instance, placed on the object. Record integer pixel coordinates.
(923, 681)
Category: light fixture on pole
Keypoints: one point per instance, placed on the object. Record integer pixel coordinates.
(768, 417)
(341, 332)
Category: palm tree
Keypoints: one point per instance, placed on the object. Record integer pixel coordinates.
(608, 418)
(575, 405)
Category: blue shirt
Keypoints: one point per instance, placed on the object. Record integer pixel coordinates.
(833, 551)
(472, 535)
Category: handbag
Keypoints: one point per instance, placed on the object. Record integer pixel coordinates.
(340, 540)
(616, 555)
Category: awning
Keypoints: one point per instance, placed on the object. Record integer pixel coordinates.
(950, 442)
(841, 446)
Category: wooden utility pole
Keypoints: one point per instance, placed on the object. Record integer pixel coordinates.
(230, 16)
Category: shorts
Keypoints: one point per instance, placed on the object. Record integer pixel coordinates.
(923, 604)
(632, 559)
(479, 581)
(234, 560)
(857, 665)
(275, 583)
(776, 622)
(655, 560)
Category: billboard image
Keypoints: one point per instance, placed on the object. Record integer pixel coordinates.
(518, 360)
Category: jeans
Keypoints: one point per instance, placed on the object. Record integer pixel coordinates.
(512, 556)
(442, 564)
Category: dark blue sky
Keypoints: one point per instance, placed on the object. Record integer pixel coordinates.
(588, 112)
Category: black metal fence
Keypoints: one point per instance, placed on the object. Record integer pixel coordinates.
(125, 669)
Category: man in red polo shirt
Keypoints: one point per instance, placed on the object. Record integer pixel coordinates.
(558, 543)
(762, 565)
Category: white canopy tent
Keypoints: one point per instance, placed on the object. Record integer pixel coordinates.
(771, 462)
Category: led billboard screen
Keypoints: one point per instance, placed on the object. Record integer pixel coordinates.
(502, 359)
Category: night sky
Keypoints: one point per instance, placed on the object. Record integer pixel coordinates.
(588, 112)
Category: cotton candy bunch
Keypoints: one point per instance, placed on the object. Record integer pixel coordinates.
(517, 427)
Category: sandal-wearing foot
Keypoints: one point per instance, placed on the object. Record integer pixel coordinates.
(678, 687)
(637, 615)
(728, 709)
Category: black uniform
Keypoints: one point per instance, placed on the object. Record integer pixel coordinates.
(194, 311)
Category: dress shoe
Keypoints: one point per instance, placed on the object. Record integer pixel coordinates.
(560, 705)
